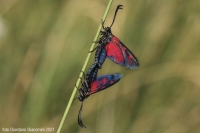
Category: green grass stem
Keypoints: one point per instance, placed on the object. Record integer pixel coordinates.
(83, 69)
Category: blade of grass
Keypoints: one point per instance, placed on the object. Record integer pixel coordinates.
(83, 69)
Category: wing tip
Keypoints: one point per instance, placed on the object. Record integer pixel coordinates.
(118, 75)
(135, 65)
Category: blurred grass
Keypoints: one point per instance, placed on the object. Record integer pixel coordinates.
(43, 45)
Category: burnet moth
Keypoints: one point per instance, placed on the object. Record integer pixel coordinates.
(93, 84)
(111, 47)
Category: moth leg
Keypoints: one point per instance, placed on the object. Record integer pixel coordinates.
(102, 23)
(87, 87)
(95, 42)
(80, 78)
(83, 74)
(94, 49)
(76, 87)
(81, 81)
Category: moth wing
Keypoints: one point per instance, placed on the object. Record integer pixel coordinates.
(120, 54)
(103, 82)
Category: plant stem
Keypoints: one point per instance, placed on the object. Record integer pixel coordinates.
(83, 69)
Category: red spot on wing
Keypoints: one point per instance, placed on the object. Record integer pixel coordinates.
(114, 51)
(94, 86)
(97, 85)
(111, 82)
(129, 59)
(104, 81)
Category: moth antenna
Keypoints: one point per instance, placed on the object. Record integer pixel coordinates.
(118, 7)
(79, 117)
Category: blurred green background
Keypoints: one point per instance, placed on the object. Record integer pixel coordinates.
(44, 43)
